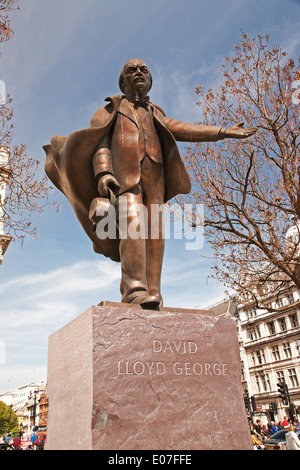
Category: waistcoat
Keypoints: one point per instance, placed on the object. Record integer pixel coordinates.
(148, 141)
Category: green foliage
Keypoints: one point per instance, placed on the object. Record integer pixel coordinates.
(8, 419)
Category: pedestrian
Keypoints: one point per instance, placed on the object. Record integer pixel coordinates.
(257, 427)
(274, 428)
(269, 432)
(257, 443)
(296, 424)
(292, 441)
(279, 426)
(285, 423)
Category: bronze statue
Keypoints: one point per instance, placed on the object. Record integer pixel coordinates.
(129, 150)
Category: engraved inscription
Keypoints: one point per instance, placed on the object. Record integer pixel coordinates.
(180, 347)
(140, 368)
(179, 368)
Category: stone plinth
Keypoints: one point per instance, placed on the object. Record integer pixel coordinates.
(121, 378)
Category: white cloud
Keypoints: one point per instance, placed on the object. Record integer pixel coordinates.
(18, 375)
(185, 282)
(44, 295)
(34, 306)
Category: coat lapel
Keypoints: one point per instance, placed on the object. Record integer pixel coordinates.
(127, 111)
(158, 115)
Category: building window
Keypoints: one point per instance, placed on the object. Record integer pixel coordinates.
(280, 376)
(275, 352)
(282, 324)
(258, 383)
(251, 312)
(293, 377)
(294, 320)
(258, 357)
(287, 349)
(291, 298)
(271, 327)
(280, 303)
(262, 382)
(266, 382)
(254, 332)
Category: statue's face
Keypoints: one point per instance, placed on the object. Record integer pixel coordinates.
(136, 78)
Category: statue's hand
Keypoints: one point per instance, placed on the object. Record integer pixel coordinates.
(107, 182)
(238, 131)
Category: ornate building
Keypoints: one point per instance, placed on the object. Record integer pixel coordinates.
(270, 353)
(4, 239)
(30, 405)
(269, 342)
(43, 411)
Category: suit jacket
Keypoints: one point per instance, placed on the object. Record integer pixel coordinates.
(69, 162)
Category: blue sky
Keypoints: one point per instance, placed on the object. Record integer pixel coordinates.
(64, 59)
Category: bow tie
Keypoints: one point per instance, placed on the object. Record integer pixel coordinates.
(141, 101)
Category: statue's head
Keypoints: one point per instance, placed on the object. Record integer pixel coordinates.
(135, 78)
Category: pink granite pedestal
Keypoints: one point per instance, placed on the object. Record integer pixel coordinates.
(123, 378)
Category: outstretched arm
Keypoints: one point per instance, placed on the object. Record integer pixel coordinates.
(185, 132)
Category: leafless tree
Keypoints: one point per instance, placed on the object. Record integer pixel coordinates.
(26, 192)
(251, 189)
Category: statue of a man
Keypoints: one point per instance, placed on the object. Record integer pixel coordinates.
(129, 149)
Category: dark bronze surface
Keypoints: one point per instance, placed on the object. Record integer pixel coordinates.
(129, 150)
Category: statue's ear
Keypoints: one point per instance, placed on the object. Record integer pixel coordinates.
(121, 82)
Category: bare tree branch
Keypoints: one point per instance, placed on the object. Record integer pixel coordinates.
(26, 192)
(251, 190)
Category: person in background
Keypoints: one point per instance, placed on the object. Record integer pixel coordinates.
(274, 428)
(292, 441)
(258, 427)
(296, 424)
(285, 423)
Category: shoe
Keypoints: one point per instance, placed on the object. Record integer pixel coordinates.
(150, 303)
(146, 301)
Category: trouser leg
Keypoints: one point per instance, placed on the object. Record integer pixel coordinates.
(141, 255)
(132, 248)
(152, 184)
(154, 256)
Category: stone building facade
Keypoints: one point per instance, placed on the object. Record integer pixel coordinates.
(270, 353)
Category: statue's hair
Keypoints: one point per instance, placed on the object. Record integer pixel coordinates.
(121, 77)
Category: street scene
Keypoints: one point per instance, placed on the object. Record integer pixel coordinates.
(149, 227)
